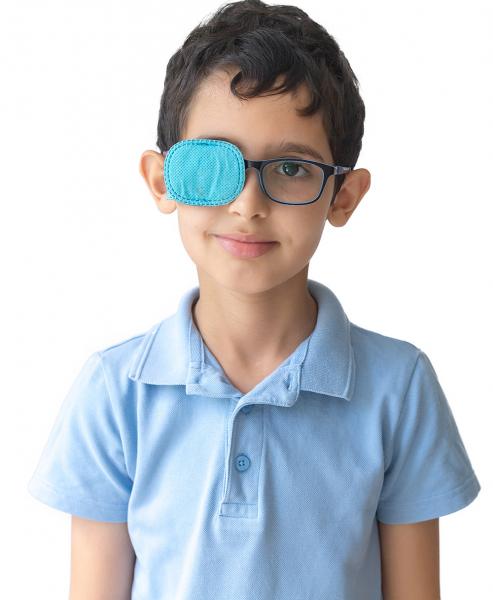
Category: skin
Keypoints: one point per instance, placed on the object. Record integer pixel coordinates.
(410, 559)
(252, 313)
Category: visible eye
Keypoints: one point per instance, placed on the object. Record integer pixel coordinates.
(291, 169)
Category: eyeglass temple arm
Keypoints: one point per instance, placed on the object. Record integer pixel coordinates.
(341, 170)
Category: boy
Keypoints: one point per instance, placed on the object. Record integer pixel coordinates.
(256, 445)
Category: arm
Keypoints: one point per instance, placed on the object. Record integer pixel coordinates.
(410, 560)
(102, 560)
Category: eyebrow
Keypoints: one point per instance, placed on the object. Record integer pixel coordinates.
(284, 146)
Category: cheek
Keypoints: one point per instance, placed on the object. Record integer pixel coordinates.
(304, 229)
(306, 246)
(190, 220)
(195, 225)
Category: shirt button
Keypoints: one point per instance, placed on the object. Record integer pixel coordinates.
(246, 409)
(242, 462)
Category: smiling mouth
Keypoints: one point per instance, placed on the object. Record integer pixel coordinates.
(225, 237)
(244, 249)
(248, 238)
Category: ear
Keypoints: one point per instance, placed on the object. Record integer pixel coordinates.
(151, 168)
(356, 184)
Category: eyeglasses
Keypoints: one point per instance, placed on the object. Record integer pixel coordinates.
(207, 172)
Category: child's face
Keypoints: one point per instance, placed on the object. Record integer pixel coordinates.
(254, 125)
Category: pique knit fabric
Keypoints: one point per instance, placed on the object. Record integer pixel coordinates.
(204, 172)
(270, 495)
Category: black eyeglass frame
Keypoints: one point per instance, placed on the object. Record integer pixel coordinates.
(327, 168)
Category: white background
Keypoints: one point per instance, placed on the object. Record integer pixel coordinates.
(88, 261)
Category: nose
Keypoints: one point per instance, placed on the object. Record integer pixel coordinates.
(251, 200)
(252, 173)
(251, 164)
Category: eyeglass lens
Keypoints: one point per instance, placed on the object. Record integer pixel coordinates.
(292, 180)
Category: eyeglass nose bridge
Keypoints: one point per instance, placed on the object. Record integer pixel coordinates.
(256, 164)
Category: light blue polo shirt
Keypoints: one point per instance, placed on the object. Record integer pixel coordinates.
(269, 495)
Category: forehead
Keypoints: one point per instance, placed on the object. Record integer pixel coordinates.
(256, 122)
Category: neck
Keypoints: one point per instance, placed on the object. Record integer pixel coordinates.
(256, 328)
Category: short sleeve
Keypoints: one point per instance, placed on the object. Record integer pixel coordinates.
(81, 470)
(429, 473)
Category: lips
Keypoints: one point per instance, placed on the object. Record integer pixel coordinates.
(245, 249)
(248, 238)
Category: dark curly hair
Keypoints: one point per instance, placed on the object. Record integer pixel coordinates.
(265, 41)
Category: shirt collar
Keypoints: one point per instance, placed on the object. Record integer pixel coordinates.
(173, 353)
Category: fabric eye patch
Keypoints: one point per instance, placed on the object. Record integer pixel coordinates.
(204, 172)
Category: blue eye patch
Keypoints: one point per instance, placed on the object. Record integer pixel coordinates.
(204, 172)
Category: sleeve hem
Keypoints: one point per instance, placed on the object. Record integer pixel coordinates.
(80, 507)
(431, 508)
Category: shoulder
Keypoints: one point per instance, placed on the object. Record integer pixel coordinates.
(388, 362)
(117, 360)
(121, 353)
(381, 343)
